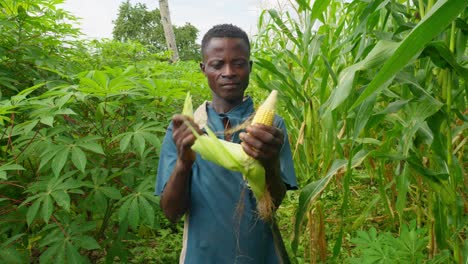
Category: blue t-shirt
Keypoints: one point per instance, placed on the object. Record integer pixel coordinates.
(217, 229)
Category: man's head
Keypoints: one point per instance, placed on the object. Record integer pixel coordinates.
(226, 63)
(224, 31)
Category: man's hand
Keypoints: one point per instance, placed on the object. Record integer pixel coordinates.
(263, 143)
(175, 199)
(184, 137)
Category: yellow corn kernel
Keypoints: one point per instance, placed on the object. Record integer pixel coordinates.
(266, 112)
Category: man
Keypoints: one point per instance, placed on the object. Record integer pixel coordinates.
(221, 224)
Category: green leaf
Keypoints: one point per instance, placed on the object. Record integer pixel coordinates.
(62, 198)
(318, 8)
(146, 210)
(441, 56)
(111, 192)
(442, 13)
(378, 55)
(402, 188)
(78, 158)
(152, 138)
(310, 193)
(139, 143)
(47, 208)
(52, 251)
(134, 214)
(32, 211)
(86, 242)
(11, 167)
(72, 254)
(47, 156)
(59, 161)
(124, 142)
(283, 28)
(47, 120)
(91, 146)
(123, 211)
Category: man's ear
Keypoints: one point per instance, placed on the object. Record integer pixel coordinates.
(202, 67)
(251, 65)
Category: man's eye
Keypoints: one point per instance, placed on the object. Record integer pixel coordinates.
(239, 63)
(216, 64)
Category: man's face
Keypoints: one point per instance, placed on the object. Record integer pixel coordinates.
(227, 67)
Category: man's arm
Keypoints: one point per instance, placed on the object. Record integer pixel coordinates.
(264, 144)
(175, 198)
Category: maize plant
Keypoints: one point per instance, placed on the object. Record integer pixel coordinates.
(378, 92)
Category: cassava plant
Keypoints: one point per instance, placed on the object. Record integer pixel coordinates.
(79, 139)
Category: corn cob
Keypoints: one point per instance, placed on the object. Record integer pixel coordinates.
(266, 112)
(265, 115)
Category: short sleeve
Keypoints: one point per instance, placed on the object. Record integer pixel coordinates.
(167, 161)
(288, 173)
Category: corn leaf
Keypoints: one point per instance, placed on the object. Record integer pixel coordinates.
(441, 14)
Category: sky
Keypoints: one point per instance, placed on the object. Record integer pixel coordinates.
(97, 16)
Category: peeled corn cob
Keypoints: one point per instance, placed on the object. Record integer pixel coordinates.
(232, 156)
(266, 112)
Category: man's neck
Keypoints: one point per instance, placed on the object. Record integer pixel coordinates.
(223, 106)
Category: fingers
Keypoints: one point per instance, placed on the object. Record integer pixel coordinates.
(262, 142)
(259, 136)
(183, 136)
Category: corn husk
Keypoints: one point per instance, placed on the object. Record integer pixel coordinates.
(188, 107)
(232, 157)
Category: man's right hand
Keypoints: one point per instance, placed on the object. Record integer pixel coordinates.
(184, 137)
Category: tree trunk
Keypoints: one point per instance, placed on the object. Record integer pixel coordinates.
(168, 31)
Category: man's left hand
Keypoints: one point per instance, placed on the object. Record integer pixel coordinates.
(262, 143)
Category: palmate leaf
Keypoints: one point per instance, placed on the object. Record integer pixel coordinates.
(32, 211)
(49, 190)
(111, 192)
(436, 20)
(134, 214)
(6, 167)
(92, 146)
(146, 210)
(78, 158)
(59, 160)
(47, 208)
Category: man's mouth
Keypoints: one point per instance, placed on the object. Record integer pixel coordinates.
(229, 84)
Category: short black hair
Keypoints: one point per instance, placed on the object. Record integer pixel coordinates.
(224, 31)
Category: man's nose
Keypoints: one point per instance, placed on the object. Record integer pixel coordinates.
(228, 71)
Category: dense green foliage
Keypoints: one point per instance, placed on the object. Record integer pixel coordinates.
(377, 93)
(80, 129)
(137, 23)
(374, 94)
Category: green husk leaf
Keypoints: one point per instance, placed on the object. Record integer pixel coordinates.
(232, 157)
(188, 106)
